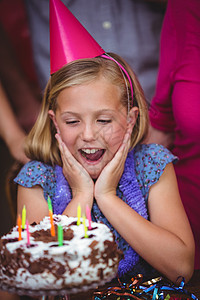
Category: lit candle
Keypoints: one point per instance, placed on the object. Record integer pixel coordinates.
(19, 223)
(49, 204)
(79, 214)
(88, 215)
(85, 227)
(60, 235)
(23, 217)
(28, 233)
(52, 225)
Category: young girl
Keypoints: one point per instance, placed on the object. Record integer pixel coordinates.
(86, 148)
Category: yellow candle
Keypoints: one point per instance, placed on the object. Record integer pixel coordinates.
(23, 217)
(79, 214)
(85, 227)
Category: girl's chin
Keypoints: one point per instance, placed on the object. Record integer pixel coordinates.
(94, 174)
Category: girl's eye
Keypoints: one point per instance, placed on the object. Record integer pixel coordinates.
(72, 122)
(104, 121)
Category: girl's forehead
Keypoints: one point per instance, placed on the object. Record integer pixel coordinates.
(95, 95)
(99, 86)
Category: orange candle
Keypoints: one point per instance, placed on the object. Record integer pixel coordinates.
(19, 223)
(52, 225)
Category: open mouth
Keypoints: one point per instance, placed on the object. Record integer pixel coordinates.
(92, 154)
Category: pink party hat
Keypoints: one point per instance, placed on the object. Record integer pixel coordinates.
(69, 40)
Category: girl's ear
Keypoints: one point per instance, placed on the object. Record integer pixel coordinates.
(132, 116)
(53, 118)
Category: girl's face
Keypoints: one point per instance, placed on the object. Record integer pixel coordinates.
(92, 122)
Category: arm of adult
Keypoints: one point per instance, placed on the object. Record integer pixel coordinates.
(10, 130)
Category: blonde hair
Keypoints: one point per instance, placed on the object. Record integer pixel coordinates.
(41, 143)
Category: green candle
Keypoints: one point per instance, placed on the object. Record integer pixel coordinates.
(49, 204)
(60, 235)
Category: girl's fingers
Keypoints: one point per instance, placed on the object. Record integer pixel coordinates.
(68, 159)
(65, 153)
(118, 161)
(127, 136)
(58, 138)
(62, 146)
(123, 150)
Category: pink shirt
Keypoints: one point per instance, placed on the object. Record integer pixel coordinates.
(176, 104)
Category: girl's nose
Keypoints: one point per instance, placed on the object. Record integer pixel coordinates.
(89, 133)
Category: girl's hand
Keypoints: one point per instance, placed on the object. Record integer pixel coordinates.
(78, 178)
(109, 178)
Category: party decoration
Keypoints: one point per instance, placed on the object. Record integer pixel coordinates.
(157, 288)
(69, 40)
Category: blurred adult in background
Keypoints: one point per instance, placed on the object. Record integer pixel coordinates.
(20, 94)
(175, 108)
(20, 98)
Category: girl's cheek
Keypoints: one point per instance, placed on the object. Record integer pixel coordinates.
(106, 133)
(117, 137)
(68, 139)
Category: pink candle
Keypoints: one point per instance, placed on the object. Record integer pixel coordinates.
(19, 223)
(28, 233)
(88, 215)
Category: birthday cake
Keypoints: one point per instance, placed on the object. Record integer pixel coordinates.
(41, 262)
